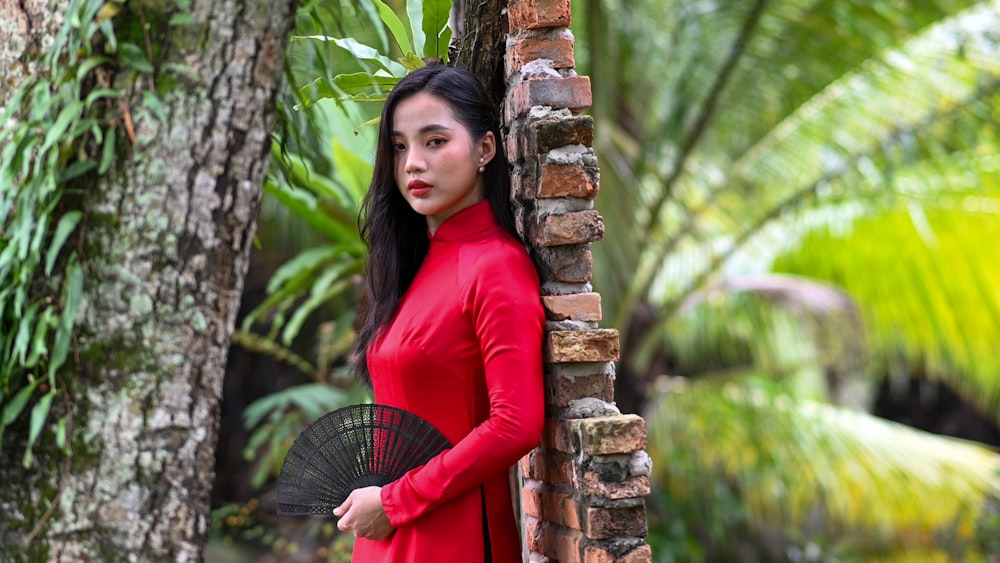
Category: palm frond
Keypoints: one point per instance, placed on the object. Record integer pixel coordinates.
(851, 483)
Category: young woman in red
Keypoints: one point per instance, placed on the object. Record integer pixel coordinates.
(452, 329)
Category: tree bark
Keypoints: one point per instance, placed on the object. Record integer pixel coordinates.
(165, 248)
(481, 44)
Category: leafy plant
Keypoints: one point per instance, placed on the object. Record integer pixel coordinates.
(428, 37)
(315, 196)
(54, 128)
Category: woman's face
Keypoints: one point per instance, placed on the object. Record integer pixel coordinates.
(436, 159)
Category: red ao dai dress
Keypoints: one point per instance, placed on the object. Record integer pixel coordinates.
(464, 353)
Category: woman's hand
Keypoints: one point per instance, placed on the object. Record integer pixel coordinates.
(363, 514)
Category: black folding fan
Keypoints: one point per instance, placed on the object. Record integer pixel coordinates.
(349, 448)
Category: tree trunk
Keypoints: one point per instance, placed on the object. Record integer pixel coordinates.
(165, 248)
(481, 45)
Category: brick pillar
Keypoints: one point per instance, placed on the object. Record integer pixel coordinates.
(582, 490)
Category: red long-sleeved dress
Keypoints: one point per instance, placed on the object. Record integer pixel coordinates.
(464, 353)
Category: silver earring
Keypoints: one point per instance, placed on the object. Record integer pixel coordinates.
(481, 168)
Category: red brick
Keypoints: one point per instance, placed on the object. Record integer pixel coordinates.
(641, 554)
(523, 50)
(568, 545)
(547, 465)
(544, 134)
(569, 228)
(513, 146)
(597, 345)
(592, 484)
(605, 523)
(524, 185)
(596, 554)
(531, 499)
(537, 14)
(559, 435)
(559, 180)
(571, 92)
(605, 435)
(576, 307)
(569, 263)
(534, 536)
(561, 390)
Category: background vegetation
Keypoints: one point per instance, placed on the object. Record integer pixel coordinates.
(801, 200)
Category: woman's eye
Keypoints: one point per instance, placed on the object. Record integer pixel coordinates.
(398, 147)
(435, 142)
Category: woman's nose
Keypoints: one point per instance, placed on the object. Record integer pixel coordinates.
(414, 161)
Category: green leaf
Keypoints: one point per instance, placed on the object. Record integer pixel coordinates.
(306, 206)
(314, 398)
(39, 340)
(74, 292)
(88, 65)
(315, 301)
(182, 19)
(38, 415)
(66, 117)
(360, 51)
(360, 81)
(75, 170)
(307, 260)
(101, 93)
(67, 223)
(355, 171)
(412, 62)
(108, 154)
(135, 57)
(13, 408)
(415, 12)
(436, 28)
(61, 434)
(24, 325)
(395, 26)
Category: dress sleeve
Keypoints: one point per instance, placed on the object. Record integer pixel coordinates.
(504, 304)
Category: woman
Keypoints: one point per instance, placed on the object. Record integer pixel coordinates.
(452, 326)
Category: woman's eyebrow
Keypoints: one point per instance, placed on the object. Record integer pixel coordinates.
(425, 129)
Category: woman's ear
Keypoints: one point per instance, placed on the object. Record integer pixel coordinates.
(486, 148)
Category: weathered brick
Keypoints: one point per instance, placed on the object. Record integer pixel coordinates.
(598, 345)
(534, 536)
(559, 180)
(604, 522)
(556, 506)
(569, 228)
(531, 499)
(569, 545)
(523, 50)
(537, 14)
(605, 552)
(571, 92)
(524, 185)
(544, 134)
(641, 554)
(513, 145)
(591, 483)
(549, 466)
(604, 435)
(559, 435)
(561, 390)
(575, 307)
(596, 554)
(568, 264)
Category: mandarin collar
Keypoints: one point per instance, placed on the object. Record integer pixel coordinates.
(472, 220)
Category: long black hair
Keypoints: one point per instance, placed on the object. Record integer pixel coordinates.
(396, 235)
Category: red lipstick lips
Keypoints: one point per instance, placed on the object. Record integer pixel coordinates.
(418, 188)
